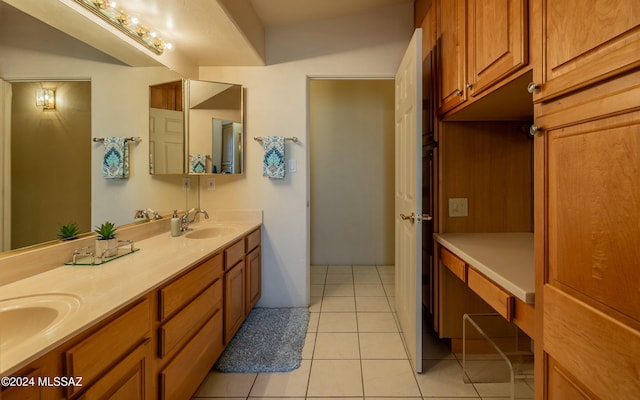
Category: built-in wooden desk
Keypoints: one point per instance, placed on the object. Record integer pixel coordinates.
(498, 267)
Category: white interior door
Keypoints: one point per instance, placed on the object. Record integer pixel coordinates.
(166, 141)
(408, 215)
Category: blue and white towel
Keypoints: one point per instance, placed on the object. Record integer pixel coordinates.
(115, 164)
(198, 163)
(273, 165)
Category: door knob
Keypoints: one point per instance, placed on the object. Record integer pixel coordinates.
(411, 217)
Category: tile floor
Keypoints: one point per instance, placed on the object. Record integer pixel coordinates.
(353, 349)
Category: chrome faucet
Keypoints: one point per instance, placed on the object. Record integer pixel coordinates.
(184, 220)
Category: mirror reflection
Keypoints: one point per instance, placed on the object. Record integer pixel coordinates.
(215, 129)
(166, 128)
(49, 162)
(116, 105)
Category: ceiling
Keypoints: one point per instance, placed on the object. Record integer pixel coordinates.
(203, 32)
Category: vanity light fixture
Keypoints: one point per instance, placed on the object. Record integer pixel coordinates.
(46, 98)
(109, 12)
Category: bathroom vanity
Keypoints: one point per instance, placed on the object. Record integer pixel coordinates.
(149, 325)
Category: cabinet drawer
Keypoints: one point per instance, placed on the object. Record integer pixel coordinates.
(102, 349)
(175, 295)
(180, 379)
(233, 254)
(494, 295)
(456, 265)
(253, 240)
(182, 326)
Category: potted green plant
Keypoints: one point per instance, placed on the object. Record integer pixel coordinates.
(68, 231)
(106, 243)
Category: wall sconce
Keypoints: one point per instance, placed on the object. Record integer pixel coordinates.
(46, 98)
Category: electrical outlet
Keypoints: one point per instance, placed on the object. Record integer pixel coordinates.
(186, 183)
(458, 207)
(211, 184)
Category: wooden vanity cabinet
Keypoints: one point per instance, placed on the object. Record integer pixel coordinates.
(114, 358)
(234, 288)
(162, 345)
(253, 265)
(190, 328)
(481, 45)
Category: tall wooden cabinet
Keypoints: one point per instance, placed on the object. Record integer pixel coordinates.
(587, 199)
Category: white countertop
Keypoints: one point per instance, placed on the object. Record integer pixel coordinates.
(505, 258)
(104, 289)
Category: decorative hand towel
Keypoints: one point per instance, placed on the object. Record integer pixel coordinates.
(198, 163)
(273, 166)
(116, 158)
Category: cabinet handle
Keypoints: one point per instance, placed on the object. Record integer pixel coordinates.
(533, 129)
(458, 92)
(469, 86)
(532, 87)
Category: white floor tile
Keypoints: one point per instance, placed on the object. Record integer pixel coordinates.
(444, 378)
(390, 378)
(338, 304)
(369, 290)
(386, 346)
(335, 378)
(336, 346)
(339, 289)
(376, 322)
(338, 322)
(372, 304)
(217, 384)
(283, 384)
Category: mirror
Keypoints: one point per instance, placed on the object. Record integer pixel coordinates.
(196, 128)
(117, 106)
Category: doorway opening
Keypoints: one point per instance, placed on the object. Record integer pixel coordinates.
(351, 156)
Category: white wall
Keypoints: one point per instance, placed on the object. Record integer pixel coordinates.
(276, 103)
(120, 101)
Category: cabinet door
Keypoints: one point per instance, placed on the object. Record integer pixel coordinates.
(498, 41)
(234, 300)
(590, 302)
(254, 279)
(127, 380)
(451, 53)
(582, 43)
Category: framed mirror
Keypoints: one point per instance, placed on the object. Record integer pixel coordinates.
(215, 128)
(196, 128)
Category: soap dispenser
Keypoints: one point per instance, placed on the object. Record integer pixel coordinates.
(175, 224)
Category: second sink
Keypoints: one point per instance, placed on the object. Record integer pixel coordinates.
(212, 232)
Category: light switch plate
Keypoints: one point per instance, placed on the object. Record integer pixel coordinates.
(186, 183)
(458, 207)
(211, 184)
(293, 165)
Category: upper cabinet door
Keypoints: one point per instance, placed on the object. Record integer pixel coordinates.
(583, 44)
(498, 41)
(452, 47)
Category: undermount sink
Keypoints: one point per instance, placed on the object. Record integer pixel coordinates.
(211, 232)
(22, 318)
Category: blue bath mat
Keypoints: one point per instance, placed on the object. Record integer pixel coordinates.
(270, 340)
